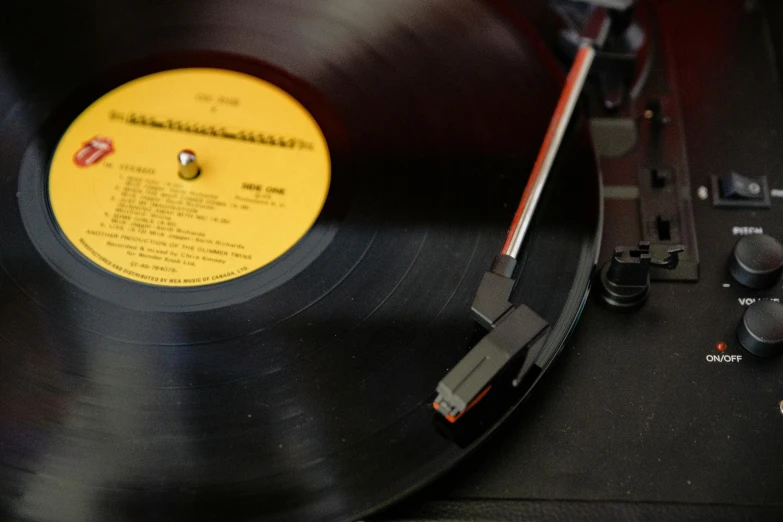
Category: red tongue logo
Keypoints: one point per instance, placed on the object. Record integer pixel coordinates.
(93, 151)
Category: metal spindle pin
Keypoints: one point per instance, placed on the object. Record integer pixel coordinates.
(188, 166)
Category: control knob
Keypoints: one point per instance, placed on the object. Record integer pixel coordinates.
(761, 329)
(757, 261)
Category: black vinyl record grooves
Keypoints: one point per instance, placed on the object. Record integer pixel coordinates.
(303, 390)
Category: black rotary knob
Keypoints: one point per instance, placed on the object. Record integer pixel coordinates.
(761, 329)
(757, 261)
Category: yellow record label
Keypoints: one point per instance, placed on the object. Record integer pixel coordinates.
(117, 193)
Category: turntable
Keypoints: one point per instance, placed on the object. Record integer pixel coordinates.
(411, 260)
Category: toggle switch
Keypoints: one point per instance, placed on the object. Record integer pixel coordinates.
(736, 190)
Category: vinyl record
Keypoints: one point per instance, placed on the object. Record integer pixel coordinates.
(286, 369)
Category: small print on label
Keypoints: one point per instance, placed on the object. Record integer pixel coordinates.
(747, 231)
(724, 358)
(747, 301)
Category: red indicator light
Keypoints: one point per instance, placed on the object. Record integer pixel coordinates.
(721, 346)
